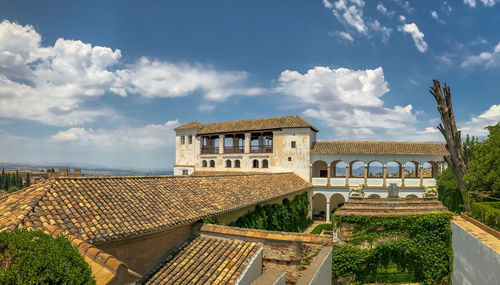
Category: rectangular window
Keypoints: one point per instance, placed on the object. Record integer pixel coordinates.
(289, 158)
(183, 140)
(190, 139)
(293, 144)
(184, 172)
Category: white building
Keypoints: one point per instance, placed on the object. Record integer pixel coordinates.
(288, 144)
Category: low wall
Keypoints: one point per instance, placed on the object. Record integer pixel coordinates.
(474, 262)
(271, 277)
(320, 270)
(252, 271)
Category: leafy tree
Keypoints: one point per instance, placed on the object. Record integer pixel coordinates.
(33, 257)
(449, 193)
(484, 169)
(28, 182)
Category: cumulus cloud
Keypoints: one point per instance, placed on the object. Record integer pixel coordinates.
(416, 34)
(347, 100)
(382, 9)
(471, 3)
(53, 84)
(435, 16)
(477, 124)
(486, 3)
(147, 137)
(346, 36)
(487, 59)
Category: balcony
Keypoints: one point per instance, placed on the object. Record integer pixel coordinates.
(261, 149)
(234, 149)
(209, 149)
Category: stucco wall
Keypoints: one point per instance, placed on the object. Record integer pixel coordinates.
(227, 218)
(320, 270)
(252, 271)
(140, 252)
(473, 261)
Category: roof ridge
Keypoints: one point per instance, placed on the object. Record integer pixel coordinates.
(377, 142)
(275, 117)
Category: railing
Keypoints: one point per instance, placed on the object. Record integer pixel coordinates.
(488, 212)
(234, 149)
(261, 149)
(209, 149)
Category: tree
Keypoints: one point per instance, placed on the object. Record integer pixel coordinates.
(33, 257)
(458, 157)
(28, 182)
(484, 169)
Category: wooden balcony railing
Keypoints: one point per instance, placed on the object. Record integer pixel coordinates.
(261, 149)
(209, 149)
(234, 149)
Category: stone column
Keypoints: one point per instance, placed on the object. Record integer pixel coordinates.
(421, 173)
(347, 175)
(221, 143)
(327, 210)
(403, 176)
(328, 175)
(384, 175)
(247, 142)
(366, 174)
(310, 174)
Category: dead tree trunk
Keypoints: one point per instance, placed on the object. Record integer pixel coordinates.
(458, 159)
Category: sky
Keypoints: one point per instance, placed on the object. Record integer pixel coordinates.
(104, 83)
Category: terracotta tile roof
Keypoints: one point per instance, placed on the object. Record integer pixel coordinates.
(107, 208)
(3, 193)
(105, 267)
(234, 232)
(211, 173)
(374, 147)
(389, 207)
(190, 125)
(206, 260)
(249, 125)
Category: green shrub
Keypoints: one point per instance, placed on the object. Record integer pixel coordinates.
(289, 217)
(33, 257)
(12, 189)
(491, 213)
(423, 251)
(448, 192)
(319, 228)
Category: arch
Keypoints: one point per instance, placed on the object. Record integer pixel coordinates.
(228, 163)
(393, 169)
(319, 169)
(212, 163)
(411, 169)
(357, 168)
(336, 201)
(237, 163)
(374, 196)
(412, 196)
(337, 168)
(204, 163)
(319, 206)
(255, 163)
(265, 163)
(375, 169)
(429, 169)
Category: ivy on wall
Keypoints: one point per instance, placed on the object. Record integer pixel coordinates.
(423, 248)
(291, 216)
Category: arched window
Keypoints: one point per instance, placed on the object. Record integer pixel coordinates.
(204, 163)
(255, 163)
(375, 169)
(265, 163)
(357, 169)
(228, 163)
(237, 163)
(393, 169)
(212, 163)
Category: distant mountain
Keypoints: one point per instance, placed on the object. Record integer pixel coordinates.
(87, 171)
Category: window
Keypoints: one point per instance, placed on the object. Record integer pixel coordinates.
(184, 172)
(255, 163)
(183, 140)
(212, 163)
(204, 163)
(237, 163)
(323, 173)
(265, 163)
(228, 163)
(190, 139)
(289, 158)
(293, 144)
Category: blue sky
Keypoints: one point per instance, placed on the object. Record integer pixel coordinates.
(106, 83)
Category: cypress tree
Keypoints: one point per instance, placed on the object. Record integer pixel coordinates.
(1, 179)
(28, 182)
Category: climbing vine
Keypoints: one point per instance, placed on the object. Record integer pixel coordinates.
(423, 247)
(291, 216)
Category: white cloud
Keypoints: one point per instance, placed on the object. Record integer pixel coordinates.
(477, 124)
(385, 31)
(54, 84)
(489, 59)
(445, 58)
(346, 36)
(147, 137)
(435, 16)
(207, 108)
(347, 100)
(402, 18)
(471, 3)
(488, 3)
(382, 9)
(417, 36)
